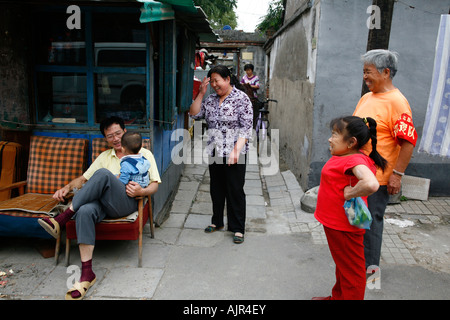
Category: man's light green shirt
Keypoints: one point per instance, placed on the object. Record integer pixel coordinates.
(108, 160)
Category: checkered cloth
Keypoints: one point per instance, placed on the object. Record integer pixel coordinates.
(100, 144)
(54, 162)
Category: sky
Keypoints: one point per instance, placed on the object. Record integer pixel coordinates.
(249, 13)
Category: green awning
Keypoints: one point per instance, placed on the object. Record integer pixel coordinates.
(183, 10)
(182, 5)
(156, 11)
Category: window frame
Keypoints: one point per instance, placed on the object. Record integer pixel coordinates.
(90, 70)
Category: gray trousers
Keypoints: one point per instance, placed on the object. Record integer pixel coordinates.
(373, 238)
(102, 195)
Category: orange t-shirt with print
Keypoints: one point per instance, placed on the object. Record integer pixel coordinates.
(393, 115)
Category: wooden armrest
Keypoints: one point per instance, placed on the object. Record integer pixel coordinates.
(144, 198)
(16, 185)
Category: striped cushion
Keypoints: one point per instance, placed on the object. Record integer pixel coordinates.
(100, 144)
(54, 162)
(31, 202)
(24, 214)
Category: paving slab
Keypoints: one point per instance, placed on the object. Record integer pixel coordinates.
(273, 268)
(254, 200)
(175, 220)
(129, 283)
(197, 221)
(180, 206)
(202, 208)
(199, 239)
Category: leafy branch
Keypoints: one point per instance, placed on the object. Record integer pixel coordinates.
(219, 12)
(273, 20)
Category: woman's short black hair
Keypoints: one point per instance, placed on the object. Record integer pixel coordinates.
(221, 70)
(224, 72)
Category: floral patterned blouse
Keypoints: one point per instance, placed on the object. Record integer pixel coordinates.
(228, 122)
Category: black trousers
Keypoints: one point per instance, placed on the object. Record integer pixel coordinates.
(227, 184)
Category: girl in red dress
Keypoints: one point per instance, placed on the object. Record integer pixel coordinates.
(348, 174)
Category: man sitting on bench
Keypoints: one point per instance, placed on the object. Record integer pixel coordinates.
(102, 195)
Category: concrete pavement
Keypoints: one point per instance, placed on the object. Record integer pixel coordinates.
(284, 257)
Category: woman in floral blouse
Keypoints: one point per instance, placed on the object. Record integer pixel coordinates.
(229, 116)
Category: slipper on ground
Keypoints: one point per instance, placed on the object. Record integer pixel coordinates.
(81, 287)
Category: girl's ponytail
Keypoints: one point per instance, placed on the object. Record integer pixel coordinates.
(376, 157)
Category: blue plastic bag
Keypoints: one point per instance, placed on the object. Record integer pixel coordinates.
(358, 214)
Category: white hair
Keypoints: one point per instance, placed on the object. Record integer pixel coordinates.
(382, 59)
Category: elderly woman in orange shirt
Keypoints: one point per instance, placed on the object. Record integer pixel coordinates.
(396, 136)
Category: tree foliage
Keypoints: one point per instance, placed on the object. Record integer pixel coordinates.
(219, 12)
(274, 17)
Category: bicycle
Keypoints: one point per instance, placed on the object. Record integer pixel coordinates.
(262, 122)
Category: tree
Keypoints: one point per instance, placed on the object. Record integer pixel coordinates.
(273, 20)
(379, 38)
(219, 12)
